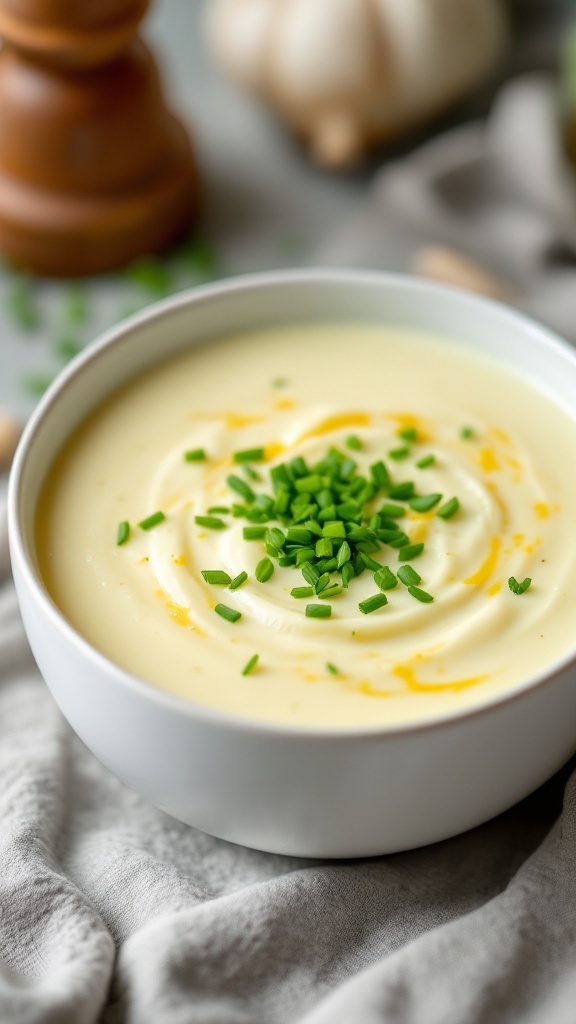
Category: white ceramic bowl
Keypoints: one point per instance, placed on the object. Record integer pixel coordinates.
(287, 789)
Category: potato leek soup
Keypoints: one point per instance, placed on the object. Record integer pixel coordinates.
(324, 525)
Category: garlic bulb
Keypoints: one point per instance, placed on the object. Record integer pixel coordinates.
(346, 74)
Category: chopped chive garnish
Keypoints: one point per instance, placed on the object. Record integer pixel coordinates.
(449, 509)
(420, 595)
(239, 580)
(254, 532)
(332, 669)
(249, 455)
(230, 614)
(408, 576)
(250, 473)
(519, 588)
(369, 562)
(372, 604)
(408, 434)
(299, 592)
(393, 511)
(344, 555)
(237, 484)
(264, 570)
(298, 535)
(210, 522)
(334, 529)
(399, 453)
(380, 475)
(467, 434)
(333, 591)
(310, 573)
(354, 443)
(324, 547)
(250, 665)
(385, 578)
(427, 460)
(318, 611)
(424, 502)
(410, 551)
(122, 533)
(402, 492)
(195, 455)
(216, 577)
(151, 521)
(219, 510)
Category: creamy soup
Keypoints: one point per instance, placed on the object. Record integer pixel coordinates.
(328, 525)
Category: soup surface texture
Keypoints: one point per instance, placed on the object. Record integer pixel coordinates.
(314, 455)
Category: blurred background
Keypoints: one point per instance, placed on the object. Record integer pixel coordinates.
(482, 186)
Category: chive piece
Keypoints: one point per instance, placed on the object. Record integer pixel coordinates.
(427, 460)
(239, 580)
(153, 520)
(230, 614)
(519, 588)
(264, 570)
(324, 547)
(76, 311)
(22, 305)
(299, 467)
(304, 555)
(239, 511)
(241, 488)
(302, 592)
(332, 669)
(286, 560)
(276, 538)
(408, 434)
(216, 577)
(310, 573)
(420, 595)
(385, 578)
(37, 383)
(347, 573)
(123, 533)
(397, 540)
(249, 455)
(334, 529)
(408, 576)
(219, 510)
(403, 491)
(210, 522)
(250, 665)
(254, 532)
(380, 475)
(250, 473)
(467, 434)
(399, 453)
(424, 502)
(65, 348)
(393, 511)
(372, 604)
(332, 591)
(150, 275)
(318, 611)
(344, 555)
(449, 509)
(369, 562)
(195, 455)
(309, 484)
(410, 551)
(354, 443)
(322, 582)
(298, 535)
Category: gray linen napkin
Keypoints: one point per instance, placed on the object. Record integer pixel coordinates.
(111, 911)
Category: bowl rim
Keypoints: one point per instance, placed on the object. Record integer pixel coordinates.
(156, 311)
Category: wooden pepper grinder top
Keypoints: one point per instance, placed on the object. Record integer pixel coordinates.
(94, 170)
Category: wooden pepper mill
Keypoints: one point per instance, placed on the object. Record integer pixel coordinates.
(94, 170)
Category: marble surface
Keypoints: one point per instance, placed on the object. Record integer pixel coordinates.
(266, 206)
